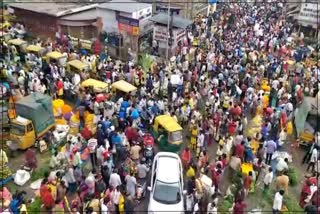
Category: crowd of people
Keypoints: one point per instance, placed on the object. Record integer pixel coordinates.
(237, 78)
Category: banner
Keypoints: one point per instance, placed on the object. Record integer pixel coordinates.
(309, 15)
(128, 25)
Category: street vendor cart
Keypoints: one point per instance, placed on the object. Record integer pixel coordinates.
(168, 133)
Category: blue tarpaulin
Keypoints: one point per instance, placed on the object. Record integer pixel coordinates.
(212, 1)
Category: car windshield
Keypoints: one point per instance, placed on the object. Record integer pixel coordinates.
(17, 129)
(175, 136)
(167, 193)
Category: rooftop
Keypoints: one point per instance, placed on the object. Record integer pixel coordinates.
(126, 6)
(178, 22)
(53, 9)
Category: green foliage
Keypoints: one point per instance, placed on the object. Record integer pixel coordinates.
(145, 61)
(292, 204)
(35, 206)
(225, 205)
(38, 173)
(293, 177)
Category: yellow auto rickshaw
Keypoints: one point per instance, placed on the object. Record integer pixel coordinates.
(77, 66)
(19, 44)
(123, 87)
(56, 57)
(36, 50)
(18, 49)
(168, 133)
(4, 36)
(98, 86)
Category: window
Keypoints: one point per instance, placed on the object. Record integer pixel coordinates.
(17, 129)
(167, 193)
(29, 127)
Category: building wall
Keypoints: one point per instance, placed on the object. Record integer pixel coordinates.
(109, 21)
(39, 25)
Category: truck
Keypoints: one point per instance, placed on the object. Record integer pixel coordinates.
(34, 118)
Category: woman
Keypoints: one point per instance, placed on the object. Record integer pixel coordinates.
(186, 157)
(305, 193)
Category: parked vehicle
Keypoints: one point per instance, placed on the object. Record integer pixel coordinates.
(168, 133)
(166, 189)
(34, 119)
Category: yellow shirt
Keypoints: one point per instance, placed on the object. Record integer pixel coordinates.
(190, 172)
(121, 204)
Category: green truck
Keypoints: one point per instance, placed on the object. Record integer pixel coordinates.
(34, 118)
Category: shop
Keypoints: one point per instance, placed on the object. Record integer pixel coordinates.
(161, 32)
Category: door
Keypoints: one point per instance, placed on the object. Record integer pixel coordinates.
(30, 137)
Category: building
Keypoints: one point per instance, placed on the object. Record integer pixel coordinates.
(306, 14)
(126, 19)
(187, 9)
(161, 32)
(46, 19)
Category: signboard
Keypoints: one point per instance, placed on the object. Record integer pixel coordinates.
(128, 25)
(160, 33)
(179, 35)
(309, 15)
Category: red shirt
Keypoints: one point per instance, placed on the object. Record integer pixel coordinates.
(186, 156)
(247, 182)
(239, 208)
(239, 150)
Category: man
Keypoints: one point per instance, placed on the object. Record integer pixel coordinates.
(277, 202)
(239, 150)
(307, 156)
(271, 147)
(267, 180)
(131, 184)
(115, 180)
(282, 182)
(282, 165)
(142, 169)
(313, 159)
(92, 145)
(135, 152)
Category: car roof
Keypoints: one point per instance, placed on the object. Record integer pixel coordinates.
(168, 169)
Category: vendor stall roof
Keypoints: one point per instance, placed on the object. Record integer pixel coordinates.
(51, 8)
(127, 6)
(178, 22)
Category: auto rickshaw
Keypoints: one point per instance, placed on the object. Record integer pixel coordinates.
(56, 57)
(98, 86)
(76, 66)
(168, 133)
(18, 49)
(36, 50)
(4, 36)
(122, 87)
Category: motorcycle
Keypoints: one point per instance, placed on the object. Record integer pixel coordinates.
(141, 190)
(148, 150)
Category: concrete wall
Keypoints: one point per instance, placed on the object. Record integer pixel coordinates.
(109, 21)
(39, 25)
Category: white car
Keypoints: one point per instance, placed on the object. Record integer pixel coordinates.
(166, 189)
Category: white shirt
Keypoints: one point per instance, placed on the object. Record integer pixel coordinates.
(201, 140)
(115, 180)
(104, 209)
(314, 155)
(268, 178)
(92, 144)
(277, 202)
(281, 165)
